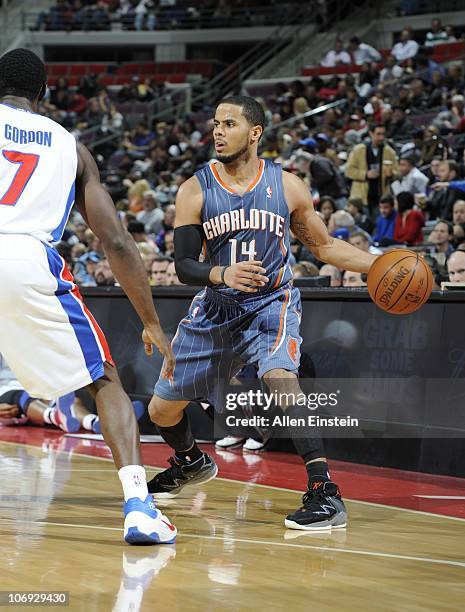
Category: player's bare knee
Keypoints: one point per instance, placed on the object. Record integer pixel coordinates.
(160, 409)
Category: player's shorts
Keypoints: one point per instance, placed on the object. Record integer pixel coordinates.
(220, 335)
(49, 339)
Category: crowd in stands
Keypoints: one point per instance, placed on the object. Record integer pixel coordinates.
(386, 167)
(159, 14)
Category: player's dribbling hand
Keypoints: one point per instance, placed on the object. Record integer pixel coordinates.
(246, 276)
(154, 335)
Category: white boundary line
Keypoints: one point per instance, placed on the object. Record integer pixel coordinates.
(254, 484)
(352, 551)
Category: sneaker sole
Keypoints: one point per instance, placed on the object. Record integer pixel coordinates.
(136, 537)
(235, 445)
(311, 527)
(201, 480)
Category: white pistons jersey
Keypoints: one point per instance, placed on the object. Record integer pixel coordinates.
(38, 164)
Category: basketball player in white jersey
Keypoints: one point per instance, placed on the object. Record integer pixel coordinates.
(49, 338)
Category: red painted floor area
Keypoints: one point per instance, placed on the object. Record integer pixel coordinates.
(358, 482)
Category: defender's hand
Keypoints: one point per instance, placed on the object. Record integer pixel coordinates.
(154, 335)
(246, 276)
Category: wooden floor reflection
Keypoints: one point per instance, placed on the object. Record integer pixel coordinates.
(60, 526)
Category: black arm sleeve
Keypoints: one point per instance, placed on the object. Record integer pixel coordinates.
(188, 241)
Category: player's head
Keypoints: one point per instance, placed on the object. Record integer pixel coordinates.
(238, 126)
(22, 74)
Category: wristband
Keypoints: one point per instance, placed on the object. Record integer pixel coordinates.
(222, 274)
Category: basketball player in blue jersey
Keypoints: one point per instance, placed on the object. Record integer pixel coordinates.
(242, 208)
(49, 338)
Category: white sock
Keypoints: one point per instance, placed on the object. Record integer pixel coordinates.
(50, 415)
(88, 421)
(134, 481)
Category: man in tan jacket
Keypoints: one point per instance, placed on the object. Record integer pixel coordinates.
(371, 167)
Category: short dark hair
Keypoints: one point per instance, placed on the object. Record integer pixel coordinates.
(136, 227)
(22, 74)
(374, 126)
(251, 109)
(450, 227)
(405, 201)
(160, 257)
(387, 199)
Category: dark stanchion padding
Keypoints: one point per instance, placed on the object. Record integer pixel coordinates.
(346, 335)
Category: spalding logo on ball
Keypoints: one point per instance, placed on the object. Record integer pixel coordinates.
(400, 281)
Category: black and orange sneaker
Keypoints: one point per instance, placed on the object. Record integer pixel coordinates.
(322, 509)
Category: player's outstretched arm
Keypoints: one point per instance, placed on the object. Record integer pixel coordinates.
(98, 210)
(189, 237)
(312, 232)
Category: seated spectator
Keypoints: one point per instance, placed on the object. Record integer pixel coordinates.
(337, 56)
(363, 53)
(137, 231)
(103, 274)
(442, 236)
(171, 276)
(437, 35)
(325, 176)
(333, 272)
(418, 99)
(458, 220)
(433, 145)
(448, 120)
(400, 127)
(158, 270)
(456, 267)
(135, 194)
(140, 141)
(355, 208)
(406, 48)
(361, 240)
(409, 222)
(341, 219)
(443, 198)
(386, 220)
(168, 243)
(353, 279)
(391, 71)
(305, 268)
(412, 179)
(151, 215)
(326, 207)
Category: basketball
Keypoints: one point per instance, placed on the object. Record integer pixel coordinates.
(400, 282)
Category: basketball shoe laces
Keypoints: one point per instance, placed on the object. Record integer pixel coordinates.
(319, 494)
(172, 474)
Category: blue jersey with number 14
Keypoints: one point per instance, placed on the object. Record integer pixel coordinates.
(252, 226)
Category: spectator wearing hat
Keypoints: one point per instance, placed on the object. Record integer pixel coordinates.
(400, 127)
(151, 215)
(323, 143)
(370, 167)
(409, 223)
(412, 180)
(385, 223)
(355, 208)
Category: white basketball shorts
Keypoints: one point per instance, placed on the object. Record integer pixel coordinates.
(49, 339)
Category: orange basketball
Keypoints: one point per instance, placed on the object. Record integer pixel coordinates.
(400, 281)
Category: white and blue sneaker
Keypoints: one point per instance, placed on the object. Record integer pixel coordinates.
(144, 524)
(65, 416)
(138, 408)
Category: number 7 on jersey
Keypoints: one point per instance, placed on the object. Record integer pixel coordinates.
(27, 164)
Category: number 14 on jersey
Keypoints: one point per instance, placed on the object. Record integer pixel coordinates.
(247, 249)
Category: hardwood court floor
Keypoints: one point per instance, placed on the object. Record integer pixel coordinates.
(60, 528)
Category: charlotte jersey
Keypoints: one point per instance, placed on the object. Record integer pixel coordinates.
(252, 226)
(37, 174)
